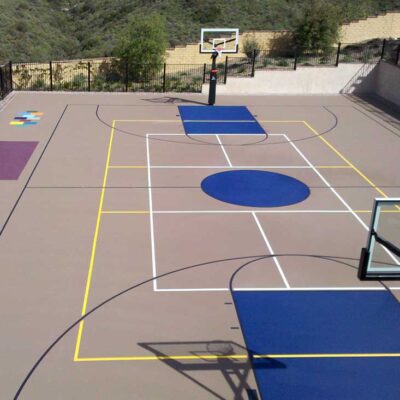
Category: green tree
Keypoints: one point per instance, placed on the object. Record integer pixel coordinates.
(142, 46)
(318, 29)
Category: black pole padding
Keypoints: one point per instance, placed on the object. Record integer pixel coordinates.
(398, 55)
(204, 73)
(338, 54)
(362, 266)
(51, 75)
(213, 80)
(164, 78)
(126, 75)
(88, 75)
(226, 70)
(11, 75)
(383, 49)
(295, 59)
(253, 63)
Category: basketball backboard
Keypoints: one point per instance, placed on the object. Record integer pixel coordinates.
(224, 39)
(380, 259)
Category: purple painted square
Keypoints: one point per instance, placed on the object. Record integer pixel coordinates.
(13, 158)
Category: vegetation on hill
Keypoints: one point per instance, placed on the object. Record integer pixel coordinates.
(40, 30)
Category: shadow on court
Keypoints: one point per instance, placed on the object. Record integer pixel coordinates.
(174, 100)
(378, 107)
(227, 357)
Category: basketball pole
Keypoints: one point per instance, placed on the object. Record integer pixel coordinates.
(213, 79)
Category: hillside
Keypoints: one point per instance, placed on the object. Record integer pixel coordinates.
(39, 30)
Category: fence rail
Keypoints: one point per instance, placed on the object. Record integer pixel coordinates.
(114, 75)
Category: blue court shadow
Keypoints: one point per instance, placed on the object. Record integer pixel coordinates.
(253, 188)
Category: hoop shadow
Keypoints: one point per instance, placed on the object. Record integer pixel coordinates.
(174, 100)
(224, 356)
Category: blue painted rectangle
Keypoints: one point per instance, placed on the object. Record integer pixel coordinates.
(322, 322)
(223, 127)
(328, 378)
(215, 113)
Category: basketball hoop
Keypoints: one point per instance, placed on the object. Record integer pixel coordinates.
(219, 51)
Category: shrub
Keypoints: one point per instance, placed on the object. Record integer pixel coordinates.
(251, 47)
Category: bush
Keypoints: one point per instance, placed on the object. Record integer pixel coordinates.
(251, 47)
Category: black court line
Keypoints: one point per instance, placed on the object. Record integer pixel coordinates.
(33, 171)
(197, 187)
(337, 259)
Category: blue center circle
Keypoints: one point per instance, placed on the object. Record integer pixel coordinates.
(255, 188)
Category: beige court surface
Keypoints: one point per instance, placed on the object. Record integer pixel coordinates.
(111, 198)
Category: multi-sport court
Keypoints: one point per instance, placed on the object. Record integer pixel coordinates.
(107, 192)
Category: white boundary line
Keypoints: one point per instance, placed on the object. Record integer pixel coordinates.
(251, 211)
(222, 121)
(276, 261)
(153, 253)
(308, 166)
(264, 236)
(280, 289)
(223, 149)
(326, 183)
(337, 195)
(213, 134)
(235, 167)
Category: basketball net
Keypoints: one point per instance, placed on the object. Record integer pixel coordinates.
(219, 51)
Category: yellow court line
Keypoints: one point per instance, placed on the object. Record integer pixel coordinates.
(180, 120)
(157, 358)
(95, 238)
(148, 120)
(337, 152)
(277, 122)
(127, 166)
(239, 357)
(125, 212)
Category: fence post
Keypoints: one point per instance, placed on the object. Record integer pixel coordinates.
(11, 76)
(338, 54)
(383, 48)
(164, 77)
(398, 55)
(88, 76)
(51, 75)
(126, 75)
(226, 70)
(253, 65)
(204, 73)
(295, 59)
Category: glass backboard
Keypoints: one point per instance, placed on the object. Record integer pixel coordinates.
(380, 259)
(224, 39)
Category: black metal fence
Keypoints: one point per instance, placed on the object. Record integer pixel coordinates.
(113, 75)
(108, 75)
(391, 52)
(5, 80)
